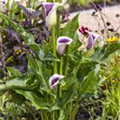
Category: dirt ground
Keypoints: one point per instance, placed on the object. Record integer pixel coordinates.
(100, 20)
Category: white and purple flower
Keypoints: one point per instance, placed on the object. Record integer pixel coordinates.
(92, 37)
(51, 13)
(62, 43)
(54, 80)
(2, 5)
(3, 1)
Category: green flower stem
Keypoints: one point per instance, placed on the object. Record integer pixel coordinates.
(71, 105)
(58, 23)
(59, 91)
(54, 50)
(59, 1)
(11, 10)
(66, 62)
(34, 4)
(59, 94)
(46, 117)
(61, 65)
(53, 115)
(29, 3)
(75, 109)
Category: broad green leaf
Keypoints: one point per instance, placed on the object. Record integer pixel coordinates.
(83, 68)
(67, 82)
(67, 95)
(38, 69)
(37, 102)
(36, 65)
(71, 27)
(90, 83)
(105, 51)
(42, 54)
(75, 55)
(17, 98)
(19, 83)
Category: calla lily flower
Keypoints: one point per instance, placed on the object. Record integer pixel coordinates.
(92, 37)
(2, 5)
(3, 1)
(51, 12)
(62, 42)
(54, 80)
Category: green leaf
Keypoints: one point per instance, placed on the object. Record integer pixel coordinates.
(20, 83)
(49, 57)
(38, 69)
(37, 48)
(67, 95)
(63, 114)
(17, 98)
(89, 84)
(105, 51)
(71, 27)
(41, 54)
(74, 55)
(83, 68)
(13, 72)
(36, 65)
(75, 43)
(37, 102)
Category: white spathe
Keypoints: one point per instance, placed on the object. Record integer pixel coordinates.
(62, 43)
(51, 13)
(54, 80)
